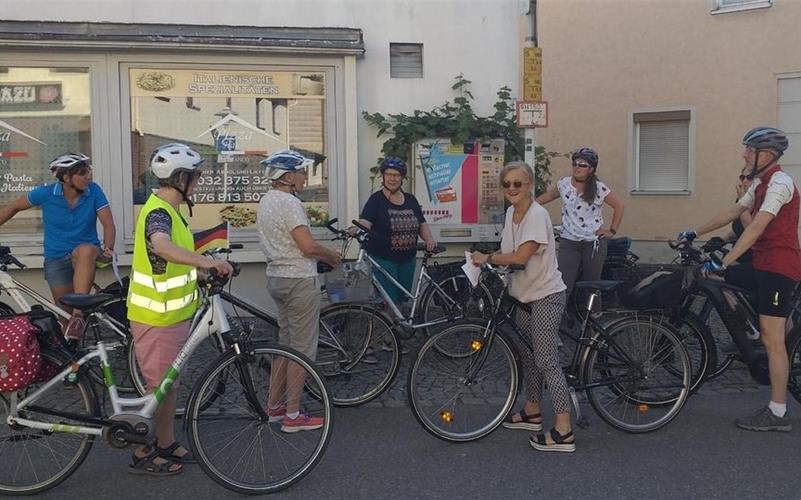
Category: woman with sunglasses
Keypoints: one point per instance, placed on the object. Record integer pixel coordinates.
(582, 247)
(527, 239)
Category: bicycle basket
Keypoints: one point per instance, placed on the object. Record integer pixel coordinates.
(659, 290)
(350, 283)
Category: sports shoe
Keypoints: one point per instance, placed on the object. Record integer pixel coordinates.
(75, 328)
(303, 422)
(765, 420)
(385, 346)
(276, 414)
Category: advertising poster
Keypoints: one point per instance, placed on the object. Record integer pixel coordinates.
(456, 184)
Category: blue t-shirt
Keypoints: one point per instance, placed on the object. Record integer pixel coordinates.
(67, 227)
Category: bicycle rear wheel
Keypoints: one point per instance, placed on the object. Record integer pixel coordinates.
(358, 353)
(638, 375)
(36, 460)
(230, 431)
(447, 398)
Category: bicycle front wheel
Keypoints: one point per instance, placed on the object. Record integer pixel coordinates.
(637, 374)
(461, 387)
(237, 441)
(35, 460)
(358, 353)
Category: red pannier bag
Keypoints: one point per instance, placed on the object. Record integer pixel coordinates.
(20, 357)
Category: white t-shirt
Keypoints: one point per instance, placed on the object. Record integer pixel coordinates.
(580, 220)
(541, 276)
(779, 193)
(280, 213)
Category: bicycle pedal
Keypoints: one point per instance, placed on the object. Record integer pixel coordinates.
(583, 422)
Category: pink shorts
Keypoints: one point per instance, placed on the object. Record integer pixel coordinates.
(156, 348)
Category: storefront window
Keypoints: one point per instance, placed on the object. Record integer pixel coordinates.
(44, 112)
(232, 118)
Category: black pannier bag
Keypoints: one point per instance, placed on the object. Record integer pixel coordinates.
(659, 290)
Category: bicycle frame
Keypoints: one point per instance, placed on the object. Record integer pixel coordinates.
(209, 319)
(423, 277)
(15, 290)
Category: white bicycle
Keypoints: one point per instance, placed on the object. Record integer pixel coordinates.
(105, 319)
(46, 430)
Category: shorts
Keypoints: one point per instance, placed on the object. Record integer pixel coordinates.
(774, 291)
(298, 312)
(156, 348)
(59, 272)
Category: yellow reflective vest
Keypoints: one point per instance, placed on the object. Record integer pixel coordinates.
(164, 299)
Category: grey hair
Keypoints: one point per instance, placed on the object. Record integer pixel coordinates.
(519, 165)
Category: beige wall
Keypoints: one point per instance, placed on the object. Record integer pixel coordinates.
(604, 59)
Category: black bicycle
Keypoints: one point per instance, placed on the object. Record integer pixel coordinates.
(636, 373)
(737, 310)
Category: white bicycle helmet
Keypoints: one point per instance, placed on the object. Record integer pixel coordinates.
(171, 158)
(67, 161)
(281, 162)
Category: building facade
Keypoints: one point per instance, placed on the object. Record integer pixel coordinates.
(236, 81)
(665, 91)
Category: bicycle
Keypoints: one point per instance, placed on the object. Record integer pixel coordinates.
(736, 309)
(636, 374)
(105, 322)
(50, 430)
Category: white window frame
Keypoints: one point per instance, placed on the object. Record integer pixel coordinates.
(744, 5)
(30, 244)
(634, 153)
(335, 115)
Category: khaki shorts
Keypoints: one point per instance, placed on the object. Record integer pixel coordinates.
(156, 348)
(298, 304)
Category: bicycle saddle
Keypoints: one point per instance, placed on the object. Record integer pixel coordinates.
(602, 285)
(86, 300)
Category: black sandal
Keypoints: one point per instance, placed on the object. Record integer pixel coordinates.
(525, 423)
(169, 454)
(560, 442)
(147, 466)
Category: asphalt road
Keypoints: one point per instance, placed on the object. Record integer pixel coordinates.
(381, 452)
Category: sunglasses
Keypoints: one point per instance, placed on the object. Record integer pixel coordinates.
(515, 184)
(581, 165)
(743, 177)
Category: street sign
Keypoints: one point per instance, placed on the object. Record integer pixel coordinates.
(532, 88)
(532, 114)
(532, 61)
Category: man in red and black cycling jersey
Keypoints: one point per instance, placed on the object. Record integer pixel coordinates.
(773, 201)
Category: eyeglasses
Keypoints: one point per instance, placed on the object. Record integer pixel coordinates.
(743, 177)
(516, 184)
(581, 165)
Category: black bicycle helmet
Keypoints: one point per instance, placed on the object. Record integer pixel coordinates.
(587, 154)
(394, 163)
(766, 138)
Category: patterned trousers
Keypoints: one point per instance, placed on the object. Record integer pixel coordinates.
(541, 365)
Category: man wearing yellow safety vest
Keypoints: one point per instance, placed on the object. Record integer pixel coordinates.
(163, 295)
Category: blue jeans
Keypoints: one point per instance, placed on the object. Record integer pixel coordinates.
(403, 272)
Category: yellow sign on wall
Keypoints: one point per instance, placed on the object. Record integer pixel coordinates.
(532, 61)
(532, 88)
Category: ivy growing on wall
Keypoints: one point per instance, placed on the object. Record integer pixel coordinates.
(456, 120)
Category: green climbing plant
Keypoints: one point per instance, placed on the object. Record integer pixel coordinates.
(457, 120)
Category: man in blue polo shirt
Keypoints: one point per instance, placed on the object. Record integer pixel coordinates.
(71, 208)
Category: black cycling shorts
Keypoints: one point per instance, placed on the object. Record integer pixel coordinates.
(774, 291)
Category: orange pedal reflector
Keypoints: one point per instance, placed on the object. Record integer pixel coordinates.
(643, 408)
(446, 416)
(476, 345)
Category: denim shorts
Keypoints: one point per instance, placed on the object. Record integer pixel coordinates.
(58, 272)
